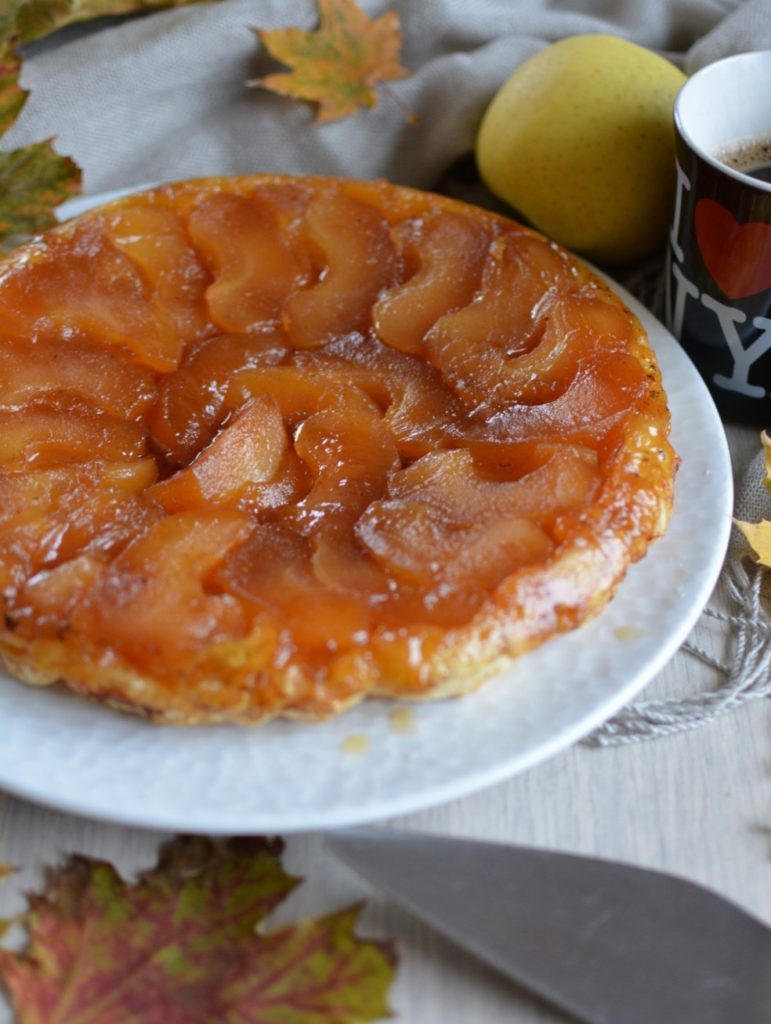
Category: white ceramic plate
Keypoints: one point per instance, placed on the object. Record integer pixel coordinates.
(59, 750)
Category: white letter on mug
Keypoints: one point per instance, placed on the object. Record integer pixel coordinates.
(684, 289)
(743, 358)
(683, 185)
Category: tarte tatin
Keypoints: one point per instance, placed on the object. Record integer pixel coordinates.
(270, 445)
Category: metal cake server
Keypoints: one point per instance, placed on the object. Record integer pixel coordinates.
(605, 942)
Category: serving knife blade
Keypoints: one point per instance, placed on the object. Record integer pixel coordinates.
(607, 943)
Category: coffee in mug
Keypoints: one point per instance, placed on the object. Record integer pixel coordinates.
(718, 301)
(750, 156)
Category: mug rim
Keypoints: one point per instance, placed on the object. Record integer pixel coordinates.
(716, 67)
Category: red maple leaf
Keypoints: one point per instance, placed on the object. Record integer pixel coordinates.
(181, 946)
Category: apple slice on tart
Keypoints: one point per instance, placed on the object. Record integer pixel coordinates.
(277, 444)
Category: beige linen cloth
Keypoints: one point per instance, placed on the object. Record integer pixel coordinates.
(163, 96)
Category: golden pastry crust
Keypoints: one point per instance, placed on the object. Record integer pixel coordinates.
(271, 445)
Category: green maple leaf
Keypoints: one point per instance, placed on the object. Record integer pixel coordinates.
(181, 946)
(34, 180)
(12, 96)
(33, 19)
(338, 65)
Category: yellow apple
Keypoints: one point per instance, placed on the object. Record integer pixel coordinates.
(580, 141)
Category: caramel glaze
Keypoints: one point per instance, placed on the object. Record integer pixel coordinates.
(272, 444)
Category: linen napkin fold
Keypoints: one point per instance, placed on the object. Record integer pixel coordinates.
(163, 96)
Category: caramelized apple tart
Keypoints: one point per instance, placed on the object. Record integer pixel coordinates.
(270, 445)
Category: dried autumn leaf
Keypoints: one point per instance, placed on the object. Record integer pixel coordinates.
(765, 440)
(35, 179)
(33, 182)
(38, 18)
(181, 946)
(339, 65)
(5, 871)
(758, 536)
(12, 96)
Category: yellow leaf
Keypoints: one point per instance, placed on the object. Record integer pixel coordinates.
(759, 538)
(765, 440)
(38, 18)
(34, 180)
(338, 65)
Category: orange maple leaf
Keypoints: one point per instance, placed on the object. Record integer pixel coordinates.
(339, 65)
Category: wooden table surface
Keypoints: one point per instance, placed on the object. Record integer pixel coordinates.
(697, 804)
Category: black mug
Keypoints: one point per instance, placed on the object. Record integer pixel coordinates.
(718, 301)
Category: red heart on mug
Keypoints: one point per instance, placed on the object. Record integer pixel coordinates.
(738, 256)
